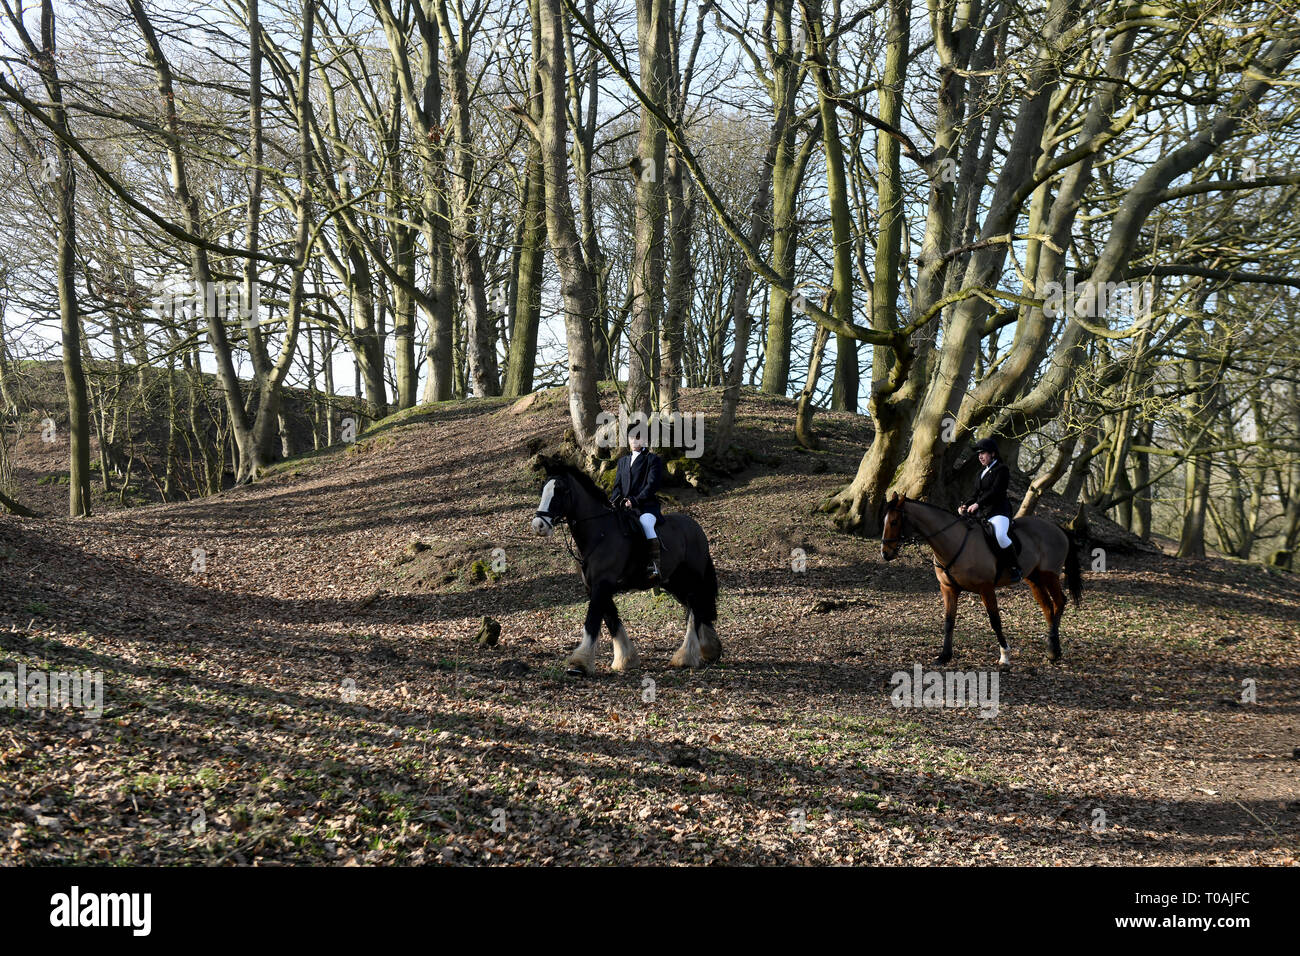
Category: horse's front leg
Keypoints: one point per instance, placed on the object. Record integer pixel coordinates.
(582, 662)
(995, 618)
(949, 620)
(625, 656)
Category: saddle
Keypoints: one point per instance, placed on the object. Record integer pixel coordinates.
(669, 543)
(629, 527)
(628, 523)
(991, 537)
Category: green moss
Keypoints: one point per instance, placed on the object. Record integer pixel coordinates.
(478, 571)
(685, 471)
(606, 478)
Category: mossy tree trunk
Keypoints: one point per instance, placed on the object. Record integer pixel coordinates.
(648, 168)
(577, 277)
(532, 250)
(65, 184)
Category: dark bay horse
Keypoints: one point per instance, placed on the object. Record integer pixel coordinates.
(612, 553)
(963, 561)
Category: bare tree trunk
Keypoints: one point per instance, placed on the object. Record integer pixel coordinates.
(577, 281)
(1191, 543)
(251, 456)
(8, 393)
(1141, 476)
(803, 432)
(480, 337)
(271, 392)
(788, 166)
(741, 316)
(681, 218)
(74, 377)
(402, 238)
(648, 171)
(532, 250)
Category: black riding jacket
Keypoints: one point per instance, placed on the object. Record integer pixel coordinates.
(639, 482)
(991, 491)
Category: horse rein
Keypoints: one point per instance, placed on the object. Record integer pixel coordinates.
(553, 519)
(929, 538)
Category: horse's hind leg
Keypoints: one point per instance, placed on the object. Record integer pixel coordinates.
(701, 644)
(625, 655)
(949, 620)
(710, 646)
(1056, 604)
(688, 655)
(1042, 595)
(990, 597)
(582, 661)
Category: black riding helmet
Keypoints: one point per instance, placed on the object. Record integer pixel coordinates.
(988, 445)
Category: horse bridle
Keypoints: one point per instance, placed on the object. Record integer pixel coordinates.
(930, 537)
(553, 518)
(901, 525)
(889, 507)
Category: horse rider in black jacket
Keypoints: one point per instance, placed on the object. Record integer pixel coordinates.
(639, 476)
(990, 502)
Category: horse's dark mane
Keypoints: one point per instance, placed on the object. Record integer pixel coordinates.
(583, 479)
(918, 501)
(888, 505)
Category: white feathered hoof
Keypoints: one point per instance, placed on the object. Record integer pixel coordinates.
(684, 659)
(582, 662)
(710, 646)
(688, 655)
(625, 656)
(625, 662)
(577, 667)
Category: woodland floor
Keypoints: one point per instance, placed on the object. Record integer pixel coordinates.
(316, 694)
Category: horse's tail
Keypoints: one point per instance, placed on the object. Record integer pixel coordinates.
(694, 582)
(1073, 577)
(707, 604)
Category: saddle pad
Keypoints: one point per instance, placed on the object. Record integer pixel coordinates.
(991, 536)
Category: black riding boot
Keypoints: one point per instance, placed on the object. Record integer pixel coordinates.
(652, 569)
(1010, 558)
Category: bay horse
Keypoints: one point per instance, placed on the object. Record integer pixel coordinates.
(963, 561)
(613, 560)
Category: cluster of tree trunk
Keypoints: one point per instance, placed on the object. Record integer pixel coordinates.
(1055, 226)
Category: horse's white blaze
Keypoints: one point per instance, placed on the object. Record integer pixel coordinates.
(625, 655)
(688, 655)
(584, 655)
(544, 528)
